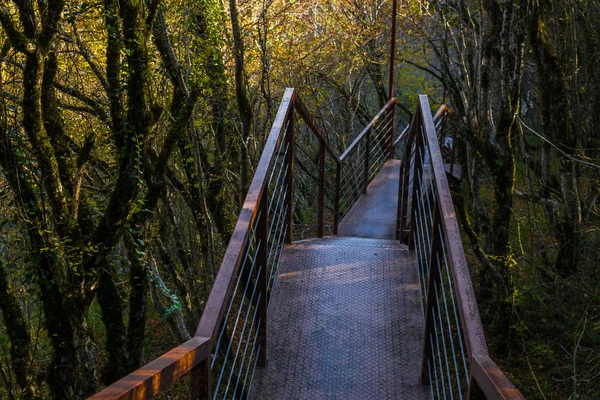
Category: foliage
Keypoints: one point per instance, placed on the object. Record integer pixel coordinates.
(129, 131)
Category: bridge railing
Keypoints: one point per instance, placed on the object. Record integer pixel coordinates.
(367, 153)
(316, 171)
(456, 362)
(229, 341)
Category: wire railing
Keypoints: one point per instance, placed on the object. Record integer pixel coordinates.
(315, 172)
(299, 172)
(456, 363)
(229, 342)
(365, 156)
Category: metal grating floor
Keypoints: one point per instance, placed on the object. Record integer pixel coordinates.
(344, 323)
(374, 214)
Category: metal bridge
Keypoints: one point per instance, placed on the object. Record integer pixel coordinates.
(372, 300)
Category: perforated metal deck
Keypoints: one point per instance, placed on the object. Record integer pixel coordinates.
(374, 214)
(345, 323)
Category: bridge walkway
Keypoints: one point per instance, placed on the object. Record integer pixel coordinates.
(346, 320)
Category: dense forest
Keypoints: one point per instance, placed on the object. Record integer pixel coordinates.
(129, 131)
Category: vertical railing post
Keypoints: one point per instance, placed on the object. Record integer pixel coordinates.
(390, 139)
(453, 156)
(321, 198)
(336, 201)
(389, 147)
(403, 211)
(367, 158)
(289, 177)
(262, 233)
(416, 184)
(402, 194)
(201, 381)
(434, 277)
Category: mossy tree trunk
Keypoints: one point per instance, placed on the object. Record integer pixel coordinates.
(69, 250)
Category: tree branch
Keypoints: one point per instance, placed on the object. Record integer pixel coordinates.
(79, 95)
(18, 39)
(567, 155)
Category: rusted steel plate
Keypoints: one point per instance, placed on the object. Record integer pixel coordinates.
(217, 301)
(491, 379)
(156, 376)
(465, 294)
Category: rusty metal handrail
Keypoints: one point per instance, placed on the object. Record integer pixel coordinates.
(372, 123)
(367, 153)
(427, 223)
(252, 231)
(252, 228)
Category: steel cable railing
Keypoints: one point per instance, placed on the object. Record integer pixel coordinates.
(233, 367)
(456, 363)
(366, 155)
(230, 339)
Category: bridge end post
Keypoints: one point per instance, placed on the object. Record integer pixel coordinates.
(201, 381)
(417, 166)
(402, 233)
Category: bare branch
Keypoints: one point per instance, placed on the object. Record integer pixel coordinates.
(570, 157)
(18, 39)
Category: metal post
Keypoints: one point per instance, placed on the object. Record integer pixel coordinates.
(416, 184)
(403, 209)
(321, 198)
(453, 152)
(201, 381)
(392, 52)
(389, 147)
(262, 232)
(401, 195)
(390, 139)
(367, 157)
(289, 177)
(336, 202)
